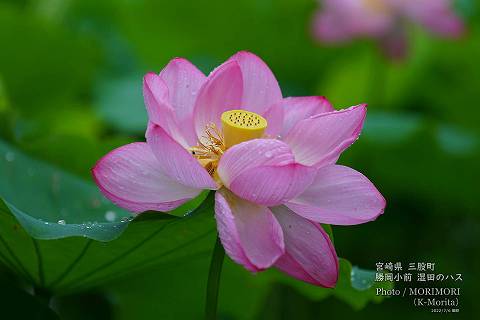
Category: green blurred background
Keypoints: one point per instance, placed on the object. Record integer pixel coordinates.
(70, 91)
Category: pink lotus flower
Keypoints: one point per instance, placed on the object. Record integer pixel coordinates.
(271, 160)
(342, 20)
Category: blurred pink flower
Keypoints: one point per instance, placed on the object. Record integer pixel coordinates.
(274, 185)
(343, 20)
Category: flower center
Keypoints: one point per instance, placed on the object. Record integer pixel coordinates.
(240, 125)
(210, 148)
(237, 126)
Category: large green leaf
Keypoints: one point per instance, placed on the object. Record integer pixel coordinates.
(37, 196)
(52, 204)
(41, 202)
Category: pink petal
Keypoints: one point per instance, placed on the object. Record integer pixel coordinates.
(274, 116)
(444, 23)
(160, 112)
(221, 91)
(249, 233)
(183, 80)
(320, 140)
(260, 88)
(309, 253)
(131, 177)
(155, 93)
(325, 27)
(339, 195)
(436, 15)
(300, 108)
(263, 171)
(342, 20)
(176, 161)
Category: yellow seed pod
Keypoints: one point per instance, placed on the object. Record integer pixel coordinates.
(241, 125)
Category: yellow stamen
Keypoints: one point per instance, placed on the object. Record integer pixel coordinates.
(240, 125)
(210, 148)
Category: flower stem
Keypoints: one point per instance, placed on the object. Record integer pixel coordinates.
(214, 281)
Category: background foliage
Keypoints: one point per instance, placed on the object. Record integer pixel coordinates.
(70, 91)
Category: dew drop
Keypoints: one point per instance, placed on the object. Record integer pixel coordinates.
(268, 154)
(62, 222)
(110, 215)
(188, 213)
